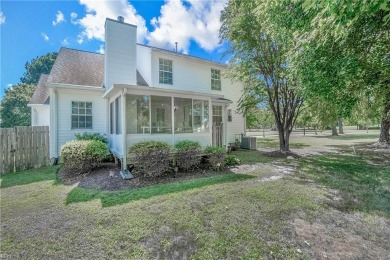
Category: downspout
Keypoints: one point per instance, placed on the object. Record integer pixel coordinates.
(225, 124)
(125, 173)
(54, 126)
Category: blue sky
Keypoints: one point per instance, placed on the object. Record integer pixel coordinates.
(32, 28)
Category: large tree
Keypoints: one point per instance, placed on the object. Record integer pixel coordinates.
(14, 110)
(259, 41)
(346, 43)
(13, 107)
(36, 67)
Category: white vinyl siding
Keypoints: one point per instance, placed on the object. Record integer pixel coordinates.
(215, 79)
(64, 115)
(81, 115)
(120, 54)
(165, 71)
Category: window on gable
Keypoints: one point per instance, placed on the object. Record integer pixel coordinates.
(215, 79)
(165, 71)
(81, 115)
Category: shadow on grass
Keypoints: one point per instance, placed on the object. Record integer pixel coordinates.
(112, 198)
(29, 176)
(363, 179)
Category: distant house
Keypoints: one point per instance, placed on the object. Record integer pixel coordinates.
(135, 92)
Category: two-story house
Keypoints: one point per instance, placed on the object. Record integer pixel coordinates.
(135, 92)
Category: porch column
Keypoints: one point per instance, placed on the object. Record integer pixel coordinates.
(124, 172)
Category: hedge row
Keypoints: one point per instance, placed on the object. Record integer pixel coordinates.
(152, 158)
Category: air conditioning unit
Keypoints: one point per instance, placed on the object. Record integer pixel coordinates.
(248, 143)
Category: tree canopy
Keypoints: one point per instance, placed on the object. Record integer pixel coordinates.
(13, 106)
(36, 67)
(259, 40)
(342, 55)
(14, 110)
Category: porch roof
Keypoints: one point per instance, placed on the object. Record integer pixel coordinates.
(118, 87)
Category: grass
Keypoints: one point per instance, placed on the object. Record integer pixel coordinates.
(29, 176)
(252, 157)
(270, 143)
(363, 179)
(354, 136)
(212, 222)
(120, 197)
(219, 217)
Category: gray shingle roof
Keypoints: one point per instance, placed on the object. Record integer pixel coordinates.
(41, 93)
(78, 68)
(81, 68)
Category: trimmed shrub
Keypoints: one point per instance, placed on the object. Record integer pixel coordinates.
(231, 160)
(187, 154)
(215, 155)
(92, 136)
(83, 156)
(150, 157)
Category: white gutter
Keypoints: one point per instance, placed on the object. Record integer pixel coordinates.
(160, 90)
(38, 105)
(72, 86)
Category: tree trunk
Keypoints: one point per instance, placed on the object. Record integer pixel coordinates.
(341, 129)
(263, 130)
(385, 125)
(284, 140)
(334, 129)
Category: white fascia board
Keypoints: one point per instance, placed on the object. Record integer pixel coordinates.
(193, 58)
(160, 90)
(37, 105)
(71, 86)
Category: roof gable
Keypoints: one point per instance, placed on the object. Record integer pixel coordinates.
(76, 67)
(41, 93)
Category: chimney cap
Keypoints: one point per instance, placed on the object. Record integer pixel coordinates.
(121, 19)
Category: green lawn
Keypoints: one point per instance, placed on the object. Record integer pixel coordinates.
(271, 143)
(363, 178)
(219, 217)
(354, 136)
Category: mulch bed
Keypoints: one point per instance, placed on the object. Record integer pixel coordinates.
(101, 178)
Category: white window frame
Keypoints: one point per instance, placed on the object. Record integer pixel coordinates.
(165, 68)
(78, 114)
(216, 83)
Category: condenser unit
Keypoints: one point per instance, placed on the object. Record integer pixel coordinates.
(248, 143)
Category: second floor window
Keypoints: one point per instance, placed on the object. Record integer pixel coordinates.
(215, 79)
(165, 71)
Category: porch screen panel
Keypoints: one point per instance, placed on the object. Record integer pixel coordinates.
(161, 113)
(137, 114)
(183, 115)
(201, 116)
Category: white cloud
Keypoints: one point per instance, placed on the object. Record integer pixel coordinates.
(59, 18)
(97, 12)
(2, 18)
(101, 49)
(45, 37)
(65, 42)
(182, 22)
(9, 85)
(73, 17)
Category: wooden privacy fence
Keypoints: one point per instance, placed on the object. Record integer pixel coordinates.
(217, 134)
(24, 147)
